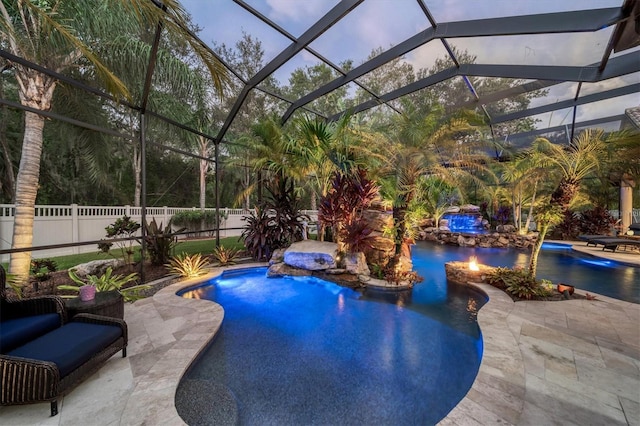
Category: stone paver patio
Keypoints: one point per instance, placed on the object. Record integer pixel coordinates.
(570, 362)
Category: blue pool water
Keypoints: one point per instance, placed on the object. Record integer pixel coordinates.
(305, 351)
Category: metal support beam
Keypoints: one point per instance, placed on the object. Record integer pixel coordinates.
(621, 65)
(578, 21)
(314, 52)
(562, 127)
(315, 31)
(217, 190)
(613, 93)
(143, 194)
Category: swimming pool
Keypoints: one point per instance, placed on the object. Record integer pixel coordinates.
(556, 262)
(304, 351)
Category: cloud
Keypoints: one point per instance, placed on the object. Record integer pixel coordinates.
(296, 10)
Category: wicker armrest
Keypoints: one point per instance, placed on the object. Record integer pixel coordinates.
(97, 319)
(39, 305)
(27, 380)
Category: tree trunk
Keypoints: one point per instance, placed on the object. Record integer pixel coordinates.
(533, 260)
(533, 201)
(36, 91)
(26, 191)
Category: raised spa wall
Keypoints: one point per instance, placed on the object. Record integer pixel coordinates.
(504, 239)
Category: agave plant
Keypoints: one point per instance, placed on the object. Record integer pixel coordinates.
(188, 266)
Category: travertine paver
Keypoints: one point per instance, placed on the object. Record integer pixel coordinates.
(570, 362)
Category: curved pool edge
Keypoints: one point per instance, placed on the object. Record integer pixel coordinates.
(501, 375)
(196, 322)
(511, 383)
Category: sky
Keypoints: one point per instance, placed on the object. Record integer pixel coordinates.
(385, 23)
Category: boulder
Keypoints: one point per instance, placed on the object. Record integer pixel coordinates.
(97, 267)
(469, 208)
(453, 209)
(277, 256)
(466, 242)
(312, 255)
(356, 263)
(282, 270)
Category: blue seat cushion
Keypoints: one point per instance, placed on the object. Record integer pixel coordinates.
(70, 346)
(16, 332)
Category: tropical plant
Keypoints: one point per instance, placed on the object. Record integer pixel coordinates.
(41, 269)
(518, 283)
(574, 162)
(53, 34)
(595, 221)
(434, 196)
(568, 228)
(188, 266)
(357, 237)
(124, 229)
(502, 215)
(160, 241)
(225, 256)
(275, 224)
(349, 195)
(107, 282)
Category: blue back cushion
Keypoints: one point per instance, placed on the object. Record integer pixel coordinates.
(19, 331)
(70, 346)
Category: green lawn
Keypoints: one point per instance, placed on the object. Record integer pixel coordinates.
(187, 246)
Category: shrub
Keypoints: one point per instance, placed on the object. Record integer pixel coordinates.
(503, 215)
(188, 266)
(595, 221)
(568, 229)
(518, 283)
(196, 220)
(41, 269)
(124, 228)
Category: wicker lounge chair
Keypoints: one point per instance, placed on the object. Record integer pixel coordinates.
(596, 240)
(42, 356)
(613, 244)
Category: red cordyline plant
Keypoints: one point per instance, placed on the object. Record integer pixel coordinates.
(349, 195)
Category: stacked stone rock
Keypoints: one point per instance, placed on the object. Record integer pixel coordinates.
(383, 247)
(503, 239)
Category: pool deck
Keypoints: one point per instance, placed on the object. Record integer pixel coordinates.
(570, 362)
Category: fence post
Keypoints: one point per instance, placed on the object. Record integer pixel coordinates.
(165, 214)
(75, 227)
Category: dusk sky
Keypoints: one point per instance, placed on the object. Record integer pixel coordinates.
(385, 23)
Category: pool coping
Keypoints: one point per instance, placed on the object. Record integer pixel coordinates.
(565, 362)
(500, 393)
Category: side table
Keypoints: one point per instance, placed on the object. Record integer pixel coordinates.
(106, 303)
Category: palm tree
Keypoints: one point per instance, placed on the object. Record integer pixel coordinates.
(51, 35)
(574, 162)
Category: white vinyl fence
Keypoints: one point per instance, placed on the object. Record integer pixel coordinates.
(74, 224)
